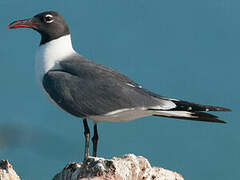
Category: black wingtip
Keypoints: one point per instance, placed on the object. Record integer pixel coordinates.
(195, 116)
(218, 121)
(190, 106)
(223, 109)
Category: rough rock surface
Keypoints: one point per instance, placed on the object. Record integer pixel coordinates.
(128, 167)
(7, 172)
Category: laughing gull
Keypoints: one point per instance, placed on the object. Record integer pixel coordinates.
(89, 90)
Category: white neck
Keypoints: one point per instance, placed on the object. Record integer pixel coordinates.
(49, 54)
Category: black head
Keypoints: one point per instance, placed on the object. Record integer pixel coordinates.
(49, 24)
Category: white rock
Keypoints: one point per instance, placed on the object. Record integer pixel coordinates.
(128, 167)
(7, 172)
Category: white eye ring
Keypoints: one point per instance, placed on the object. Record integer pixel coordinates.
(48, 18)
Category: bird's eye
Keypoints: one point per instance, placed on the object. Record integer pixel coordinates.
(48, 18)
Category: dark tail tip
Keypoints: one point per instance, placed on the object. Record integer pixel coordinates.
(219, 121)
(223, 109)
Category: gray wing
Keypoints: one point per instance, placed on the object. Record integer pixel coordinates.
(84, 88)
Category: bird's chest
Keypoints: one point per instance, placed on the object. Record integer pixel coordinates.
(44, 62)
(42, 66)
(49, 55)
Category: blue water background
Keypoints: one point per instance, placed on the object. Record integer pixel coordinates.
(186, 49)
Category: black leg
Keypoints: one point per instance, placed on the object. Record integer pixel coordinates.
(87, 135)
(95, 140)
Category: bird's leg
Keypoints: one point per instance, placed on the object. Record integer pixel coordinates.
(87, 135)
(95, 140)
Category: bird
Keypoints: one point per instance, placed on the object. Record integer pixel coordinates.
(91, 91)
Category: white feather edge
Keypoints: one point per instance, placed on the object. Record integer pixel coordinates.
(175, 113)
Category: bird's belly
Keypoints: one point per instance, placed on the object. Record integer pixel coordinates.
(121, 116)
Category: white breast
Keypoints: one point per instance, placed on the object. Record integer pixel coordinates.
(50, 54)
(48, 57)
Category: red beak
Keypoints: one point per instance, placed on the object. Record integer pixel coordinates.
(27, 23)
